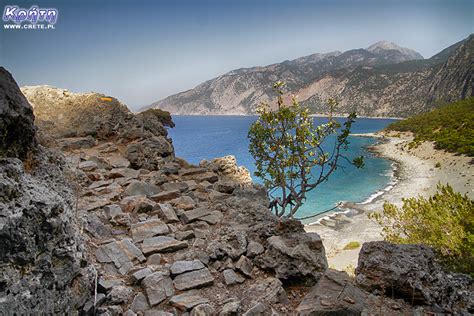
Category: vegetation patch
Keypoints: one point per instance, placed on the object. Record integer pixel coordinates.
(444, 221)
(451, 127)
(352, 245)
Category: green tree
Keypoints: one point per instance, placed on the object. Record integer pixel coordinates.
(287, 147)
(444, 221)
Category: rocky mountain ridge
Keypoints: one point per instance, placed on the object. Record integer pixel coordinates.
(382, 80)
(159, 236)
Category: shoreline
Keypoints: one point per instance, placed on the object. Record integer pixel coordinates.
(413, 174)
(311, 115)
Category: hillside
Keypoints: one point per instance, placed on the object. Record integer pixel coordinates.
(451, 127)
(382, 80)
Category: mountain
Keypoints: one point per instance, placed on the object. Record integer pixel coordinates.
(382, 80)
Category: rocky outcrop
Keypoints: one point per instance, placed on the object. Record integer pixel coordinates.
(42, 258)
(73, 121)
(382, 80)
(16, 119)
(412, 273)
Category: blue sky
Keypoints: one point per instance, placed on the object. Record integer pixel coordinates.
(143, 51)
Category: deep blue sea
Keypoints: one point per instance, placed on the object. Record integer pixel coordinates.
(206, 137)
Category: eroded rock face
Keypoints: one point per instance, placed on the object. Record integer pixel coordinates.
(412, 272)
(41, 250)
(16, 119)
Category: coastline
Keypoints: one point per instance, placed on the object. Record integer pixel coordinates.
(414, 174)
(311, 115)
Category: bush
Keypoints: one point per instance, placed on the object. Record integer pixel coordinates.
(451, 127)
(352, 245)
(444, 221)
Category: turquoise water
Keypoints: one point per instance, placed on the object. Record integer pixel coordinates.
(206, 137)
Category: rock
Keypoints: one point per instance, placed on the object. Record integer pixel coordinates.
(88, 308)
(148, 229)
(158, 287)
(112, 210)
(105, 286)
(254, 249)
(412, 272)
(71, 143)
(141, 188)
(334, 294)
(173, 186)
(139, 303)
(95, 227)
(212, 218)
(149, 153)
(231, 308)
(193, 215)
(165, 196)
(137, 204)
(184, 203)
(154, 259)
(225, 186)
(297, 257)
(167, 213)
(245, 266)
(87, 166)
(118, 162)
(16, 119)
(184, 266)
(154, 312)
(162, 244)
(256, 310)
(126, 173)
(203, 310)
(232, 278)
(268, 290)
(120, 295)
(187, 300)
(189, 234)
(122, 253)
(193, 279)
(210, 177)
(193, 172)
(215, 196)
(141, 274)
(228, 169)
(129, 313)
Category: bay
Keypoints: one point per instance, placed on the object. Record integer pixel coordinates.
(205, 137)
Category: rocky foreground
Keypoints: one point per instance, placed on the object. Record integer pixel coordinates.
(98, 216)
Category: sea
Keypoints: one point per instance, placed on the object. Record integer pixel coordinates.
(206, 137)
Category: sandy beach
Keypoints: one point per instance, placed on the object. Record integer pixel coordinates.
(415, 173)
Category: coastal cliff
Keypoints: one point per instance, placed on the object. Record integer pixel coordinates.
(138, 231)
(384, 80)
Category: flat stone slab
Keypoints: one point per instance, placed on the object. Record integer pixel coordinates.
(148, 229)
(122, 253)
(193, 279)
(162, 244)
(167, 213)
(193, 171)
(232, 278)
(166, 196)
(124, 172)
(194, 215)
(158, 287)
(187, 300)
(184, 266)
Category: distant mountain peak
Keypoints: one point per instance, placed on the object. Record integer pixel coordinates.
(387, 46)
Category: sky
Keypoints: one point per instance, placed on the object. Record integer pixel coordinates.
(144, 51)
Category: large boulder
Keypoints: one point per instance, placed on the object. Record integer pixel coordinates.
(17, 130)
(413, 273)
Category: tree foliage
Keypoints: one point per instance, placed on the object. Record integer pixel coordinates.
(287, 147)
(450, 126)
(444, 221)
